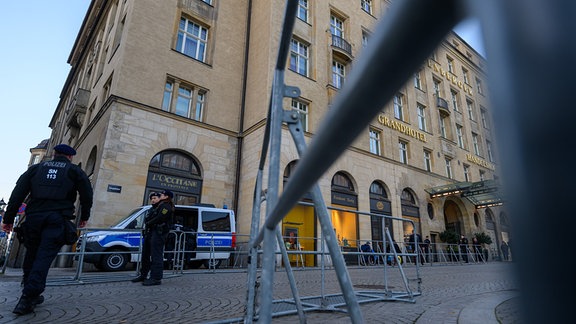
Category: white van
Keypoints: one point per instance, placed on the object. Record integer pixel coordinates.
(206, 235)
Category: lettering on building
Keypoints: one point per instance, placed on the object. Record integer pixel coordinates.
(175, 183)
(450, 77)
(402, 128)
(478, 161)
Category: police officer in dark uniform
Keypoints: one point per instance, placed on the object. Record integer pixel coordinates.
(157, 224)
(50, 188)
(148, 237)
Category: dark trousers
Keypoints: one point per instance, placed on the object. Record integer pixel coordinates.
(153, 254)
(43, 234)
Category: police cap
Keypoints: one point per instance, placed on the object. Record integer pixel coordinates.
(64, 149)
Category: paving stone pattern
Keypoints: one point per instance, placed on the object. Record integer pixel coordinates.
(466, 293)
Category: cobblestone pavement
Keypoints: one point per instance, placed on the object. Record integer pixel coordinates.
(466, 293)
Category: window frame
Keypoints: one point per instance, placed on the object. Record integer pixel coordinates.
(375, 141)
(200, 40)
(421, 112)
(403, 151)
(302, 108)
(428, 160)
(398, 102)
(299, 57)
(338, 74)
(366, 5)
(303, 10)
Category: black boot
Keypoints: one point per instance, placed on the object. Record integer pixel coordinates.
(26, 304)
(151, 282)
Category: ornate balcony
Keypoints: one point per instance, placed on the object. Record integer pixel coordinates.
(77, 108)
(342, 44)
(442, 105)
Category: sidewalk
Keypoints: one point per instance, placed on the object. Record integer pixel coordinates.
(467, 293)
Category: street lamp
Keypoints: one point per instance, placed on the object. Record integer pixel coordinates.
(2, 204)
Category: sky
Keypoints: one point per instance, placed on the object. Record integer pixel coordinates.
(37, 37)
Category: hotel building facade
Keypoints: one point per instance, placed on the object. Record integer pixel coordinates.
(174, 94)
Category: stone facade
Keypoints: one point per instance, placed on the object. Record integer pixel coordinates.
(128, 59)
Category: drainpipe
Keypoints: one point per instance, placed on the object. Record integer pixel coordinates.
(240, 135)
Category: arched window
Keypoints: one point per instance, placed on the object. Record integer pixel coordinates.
(411, 211)
(341, 182)
(379, 204)
(178, 172)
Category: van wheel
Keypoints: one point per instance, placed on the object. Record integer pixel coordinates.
(114, 261)
(211, 263)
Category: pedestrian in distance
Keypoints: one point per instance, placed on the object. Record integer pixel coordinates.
(415, 240)
(463, 248)
(505, 250)
(368, 253)
(477, 249)
(50, 189)
(157, 225)
(426, 248)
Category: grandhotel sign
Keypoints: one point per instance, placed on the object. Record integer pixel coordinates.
(402, 128)
(450, 77)
(480, 162)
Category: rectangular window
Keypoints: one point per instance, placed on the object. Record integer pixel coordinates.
(192, 39)
(403, 151)
(302, 10)
(470, 108)
(299, 57)
(460, 136)
(443, 132)
(167, 99)
(465, 76)
(466, 172)
(475, 144)
(484, 117)
(449, 168)
(398, 106)
(338, 74)
(366, 5)
(199, 106)
(422, 117)
(302, 109)
(184, 102)
(489, 151)
(437, 89)
(454, 98)
(364, 39)
(36, 159)
(418, 80)
(482, 175)
(336, 26)
(479, 86)
(208, 1)
(428, 160)
(374, 141)
(450, 64)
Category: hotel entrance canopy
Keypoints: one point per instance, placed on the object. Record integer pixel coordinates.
(482, 193)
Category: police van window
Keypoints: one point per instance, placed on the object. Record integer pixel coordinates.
(133, 224)
(216, 221)
(188, 218)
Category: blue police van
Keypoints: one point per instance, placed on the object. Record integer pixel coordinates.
(202, 235)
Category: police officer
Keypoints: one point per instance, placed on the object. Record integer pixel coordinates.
(148, 238)
(50, 188)
(157, 224)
